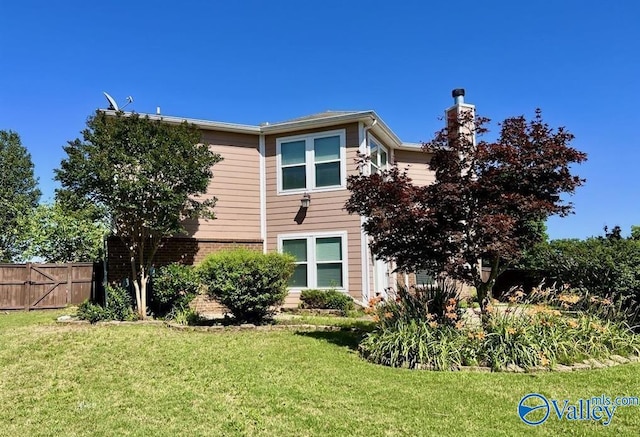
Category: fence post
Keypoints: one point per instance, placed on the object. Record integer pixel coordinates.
(27, 288)
(69, 281)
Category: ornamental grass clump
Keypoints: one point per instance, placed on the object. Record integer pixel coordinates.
(526, 336)
(413, 344)
(417, 326)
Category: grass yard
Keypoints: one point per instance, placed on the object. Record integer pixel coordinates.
(145, 380)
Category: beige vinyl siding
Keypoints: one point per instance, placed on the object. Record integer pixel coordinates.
(236, 185)
(326, 213)
(417, 164)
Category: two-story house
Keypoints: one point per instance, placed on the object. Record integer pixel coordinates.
(282, 187)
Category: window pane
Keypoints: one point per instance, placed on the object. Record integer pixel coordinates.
(329, 249)
(294, 177)
(423, 277)
(330, 275)
(327, 174)
(383, 158)
(299, 277)
(297, 248)
(293, 152)
(327, 148)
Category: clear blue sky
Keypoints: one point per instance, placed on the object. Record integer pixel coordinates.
(255, 61)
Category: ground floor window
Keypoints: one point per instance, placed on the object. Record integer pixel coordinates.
(424, 278)
(321, 259)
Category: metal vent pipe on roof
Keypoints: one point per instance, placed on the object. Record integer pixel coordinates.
(458, 95)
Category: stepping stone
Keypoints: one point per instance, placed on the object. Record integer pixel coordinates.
(580, 366)
(562, 368)
(594, 363)
(538, 369)
(619, 359)
(513, 368)
(475, 368)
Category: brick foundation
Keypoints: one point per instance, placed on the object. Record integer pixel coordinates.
(203, 304)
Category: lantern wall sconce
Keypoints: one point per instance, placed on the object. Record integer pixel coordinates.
(305, 201)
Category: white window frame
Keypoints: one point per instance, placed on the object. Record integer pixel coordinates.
(379, 145)
(312, 273)
(310, 164)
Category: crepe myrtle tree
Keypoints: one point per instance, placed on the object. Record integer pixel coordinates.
(147, 175)
(488, 200)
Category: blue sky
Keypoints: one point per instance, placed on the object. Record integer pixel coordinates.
(255, 61)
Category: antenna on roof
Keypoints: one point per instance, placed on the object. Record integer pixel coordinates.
(112, 103)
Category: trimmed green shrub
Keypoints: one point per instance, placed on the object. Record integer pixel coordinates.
(120, 303)
(172, 288)
(327, 300)
(92, 312)
(118, 307)
(249, 283)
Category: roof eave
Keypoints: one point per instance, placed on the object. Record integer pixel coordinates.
(289, 126)
(202, 124)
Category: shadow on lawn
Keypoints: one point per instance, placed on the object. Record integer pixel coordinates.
(345, 338)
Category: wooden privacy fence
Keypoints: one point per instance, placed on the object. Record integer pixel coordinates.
(42, 286)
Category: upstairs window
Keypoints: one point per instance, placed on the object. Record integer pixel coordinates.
(312, 162)
(379, 156)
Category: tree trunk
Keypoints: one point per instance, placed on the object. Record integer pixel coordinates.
(144, 280)
(485, 288)
(136, 285)
(137, 288)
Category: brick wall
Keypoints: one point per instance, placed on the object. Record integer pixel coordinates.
(188, 251)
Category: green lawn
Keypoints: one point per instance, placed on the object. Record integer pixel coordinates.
(150, 380)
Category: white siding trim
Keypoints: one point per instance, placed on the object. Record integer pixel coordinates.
(364, 255)
(364, 247)
(263, 193)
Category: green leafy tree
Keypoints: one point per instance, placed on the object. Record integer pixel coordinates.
(19, 193)
(58, 234)
(148, 175)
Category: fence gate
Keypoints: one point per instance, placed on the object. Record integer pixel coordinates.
(39, 286)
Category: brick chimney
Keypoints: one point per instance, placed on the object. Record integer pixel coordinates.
(460, 116)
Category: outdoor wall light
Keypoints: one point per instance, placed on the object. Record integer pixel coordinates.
(305, 201)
